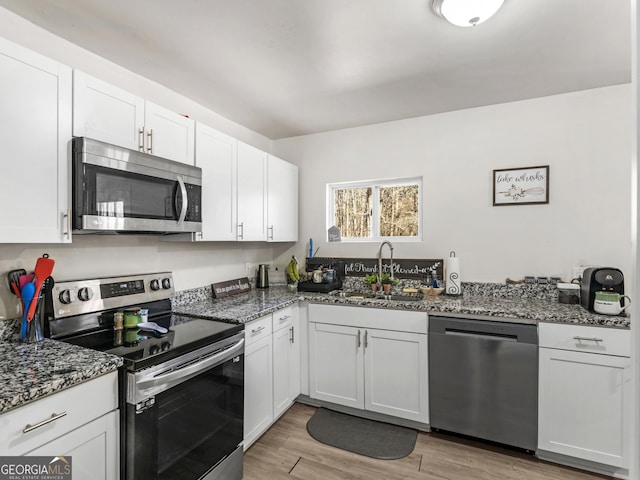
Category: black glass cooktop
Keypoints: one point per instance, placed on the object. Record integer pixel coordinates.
(142, 348)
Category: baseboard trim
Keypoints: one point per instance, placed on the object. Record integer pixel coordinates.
(581, 464)
(379, 417)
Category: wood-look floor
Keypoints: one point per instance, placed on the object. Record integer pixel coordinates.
(287, 451)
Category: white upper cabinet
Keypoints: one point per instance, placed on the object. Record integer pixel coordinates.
(107, 113)
(282, 201)
(113, 115)
(168, 134)
(35, 93)
(252, 189)
(216, 156)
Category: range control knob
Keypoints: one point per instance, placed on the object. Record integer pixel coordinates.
(165, 346)
(85, 294)
(166, 283)
(154, 349)
(155, 285)
(65, 297)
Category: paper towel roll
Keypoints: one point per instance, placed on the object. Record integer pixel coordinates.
(452, 272)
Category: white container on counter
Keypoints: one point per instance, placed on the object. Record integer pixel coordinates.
(568, 293)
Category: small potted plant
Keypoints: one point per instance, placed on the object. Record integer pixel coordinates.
(387, 281)
(371, 279)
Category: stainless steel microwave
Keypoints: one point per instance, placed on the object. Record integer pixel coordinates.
(125, 191)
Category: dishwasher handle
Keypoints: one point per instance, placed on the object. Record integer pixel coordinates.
(481, 335)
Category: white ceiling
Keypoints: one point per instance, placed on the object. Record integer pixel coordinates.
(292, 67)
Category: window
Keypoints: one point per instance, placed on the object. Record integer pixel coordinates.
(376, 210)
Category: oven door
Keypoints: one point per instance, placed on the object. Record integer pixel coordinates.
(122, 190)
(192, 422)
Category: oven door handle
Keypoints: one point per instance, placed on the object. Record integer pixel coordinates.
(185, 199)
(182, 374)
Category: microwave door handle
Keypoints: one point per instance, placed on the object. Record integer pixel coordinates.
(185, 200)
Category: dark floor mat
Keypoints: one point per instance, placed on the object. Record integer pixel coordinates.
(362, 436)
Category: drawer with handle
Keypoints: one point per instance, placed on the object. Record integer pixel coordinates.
(257, 329)
(37, 423)
(282, 319)
(585, 338)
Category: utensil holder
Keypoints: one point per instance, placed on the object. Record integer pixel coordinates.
(34, 327)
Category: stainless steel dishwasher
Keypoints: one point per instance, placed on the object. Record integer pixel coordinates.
(483, 379)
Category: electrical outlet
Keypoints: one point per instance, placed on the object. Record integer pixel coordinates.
(251, 269)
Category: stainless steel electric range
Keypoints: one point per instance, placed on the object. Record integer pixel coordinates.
(182, 388)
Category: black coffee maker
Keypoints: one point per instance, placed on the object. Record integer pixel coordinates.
(600, 279)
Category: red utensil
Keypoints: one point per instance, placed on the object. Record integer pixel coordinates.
(44, 267)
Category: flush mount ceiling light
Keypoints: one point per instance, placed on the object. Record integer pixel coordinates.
(466, 13)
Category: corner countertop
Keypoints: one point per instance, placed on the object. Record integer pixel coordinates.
(30, 371)
(246, 307)
(240, 308)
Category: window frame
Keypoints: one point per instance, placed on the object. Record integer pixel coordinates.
(375, 186)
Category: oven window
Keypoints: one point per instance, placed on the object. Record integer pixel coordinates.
(115, 193)
(200, 422)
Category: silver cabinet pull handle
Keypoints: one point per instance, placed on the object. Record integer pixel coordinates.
(358, 340)
(241, 230)
(257, 330)
(141, 139)
(271, 235)
(366, 334)
(291, 335)
(67, 218)
(52, 418)
(286, 317)
(150, 141)
(588, 339)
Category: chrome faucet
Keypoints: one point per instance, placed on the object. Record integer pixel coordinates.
(380, 262)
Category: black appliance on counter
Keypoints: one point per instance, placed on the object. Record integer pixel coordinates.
(117, 190)
(600, 279)
(181, 392)
(320, 262)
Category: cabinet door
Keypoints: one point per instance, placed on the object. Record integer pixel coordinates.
(107, 113)
(336, 364)
(93, 447)
(258, 389)
(282, 359)
(252, 182)
(169, 134)
(294, 365)
(35, 145)
(282, 201)
(395, 366)
(584, 405)
(216, 156)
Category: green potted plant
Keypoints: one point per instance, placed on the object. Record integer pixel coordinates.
(371, 279)
(387, 281)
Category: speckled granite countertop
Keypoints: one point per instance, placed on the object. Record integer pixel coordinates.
(527, 308)
(515, 310)
(30, 371)
(237, 308)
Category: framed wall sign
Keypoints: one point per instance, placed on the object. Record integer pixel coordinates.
(521, 186)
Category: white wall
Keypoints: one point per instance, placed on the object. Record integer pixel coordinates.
(194, 265)
(584, 137)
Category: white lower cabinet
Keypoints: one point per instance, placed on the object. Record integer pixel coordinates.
(93, 448)
(371, 359)
(81, 422)
(584, 394)
(258, 379)
(272, 370)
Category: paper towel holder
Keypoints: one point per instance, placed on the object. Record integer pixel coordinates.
(452, 283)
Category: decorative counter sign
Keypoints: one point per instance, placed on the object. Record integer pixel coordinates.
(230, 287)
(521, 186)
